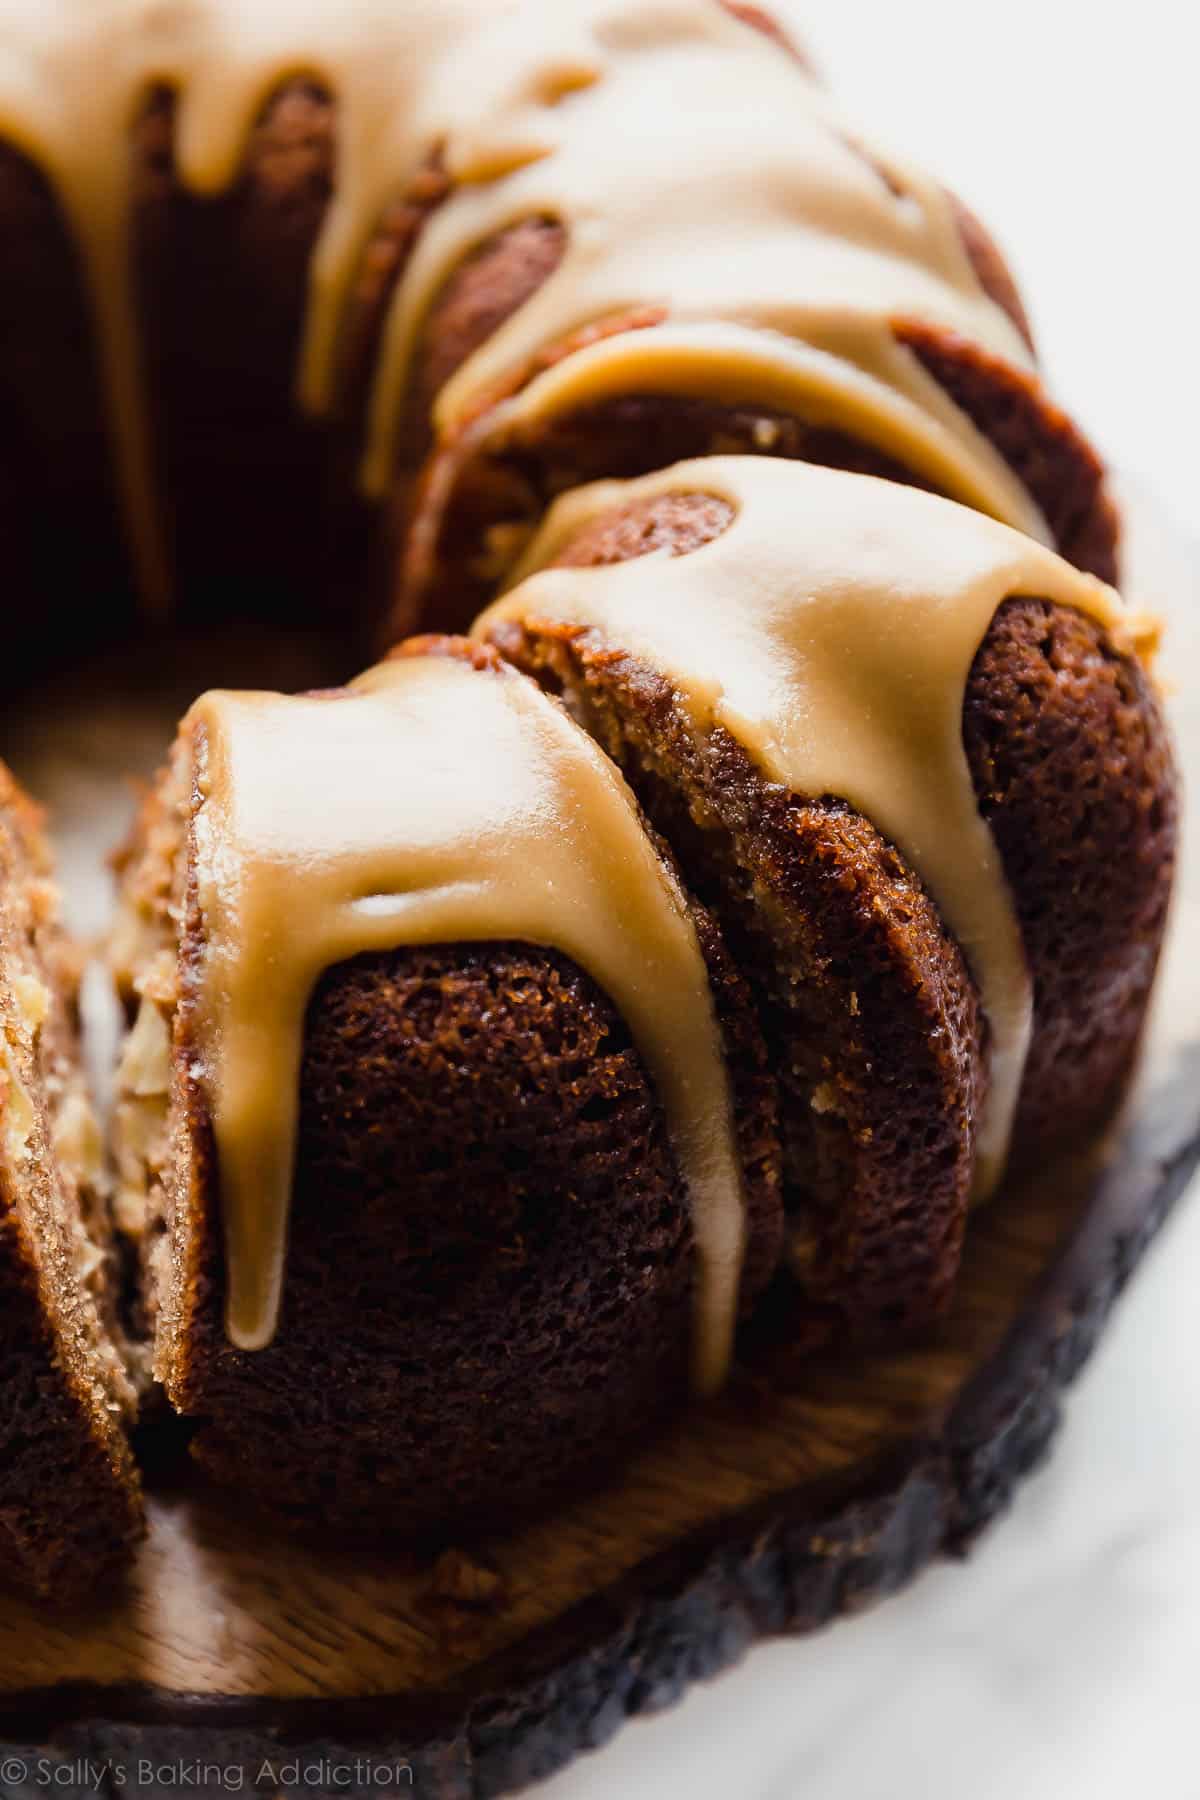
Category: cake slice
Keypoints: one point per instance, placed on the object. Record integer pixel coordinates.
(488, 1280)
(70, 1502)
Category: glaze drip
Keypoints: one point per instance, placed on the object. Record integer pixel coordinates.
(432, 803)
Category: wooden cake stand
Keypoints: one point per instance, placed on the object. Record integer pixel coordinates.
(811, 1490)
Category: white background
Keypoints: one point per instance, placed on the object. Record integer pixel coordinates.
(1063, 1660)
(1073, 129)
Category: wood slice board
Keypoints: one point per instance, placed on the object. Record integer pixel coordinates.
(812, 1489)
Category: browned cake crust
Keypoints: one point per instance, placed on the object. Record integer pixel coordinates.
(991, 267)
(1073, 769)
(489, 1269)
(479, 496)
(483, 507)
(70, 1501)
(264, 516)
(70, 1494)
(1054, 460)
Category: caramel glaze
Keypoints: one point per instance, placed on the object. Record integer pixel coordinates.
(777, 251)
(425, 805)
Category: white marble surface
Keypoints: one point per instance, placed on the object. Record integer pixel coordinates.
(1060, 1661)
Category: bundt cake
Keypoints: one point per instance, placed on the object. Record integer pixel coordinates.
(784, 853)
(70, 1499)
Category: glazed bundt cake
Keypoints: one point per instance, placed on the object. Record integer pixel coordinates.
(783, 855)
(70, 1500)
